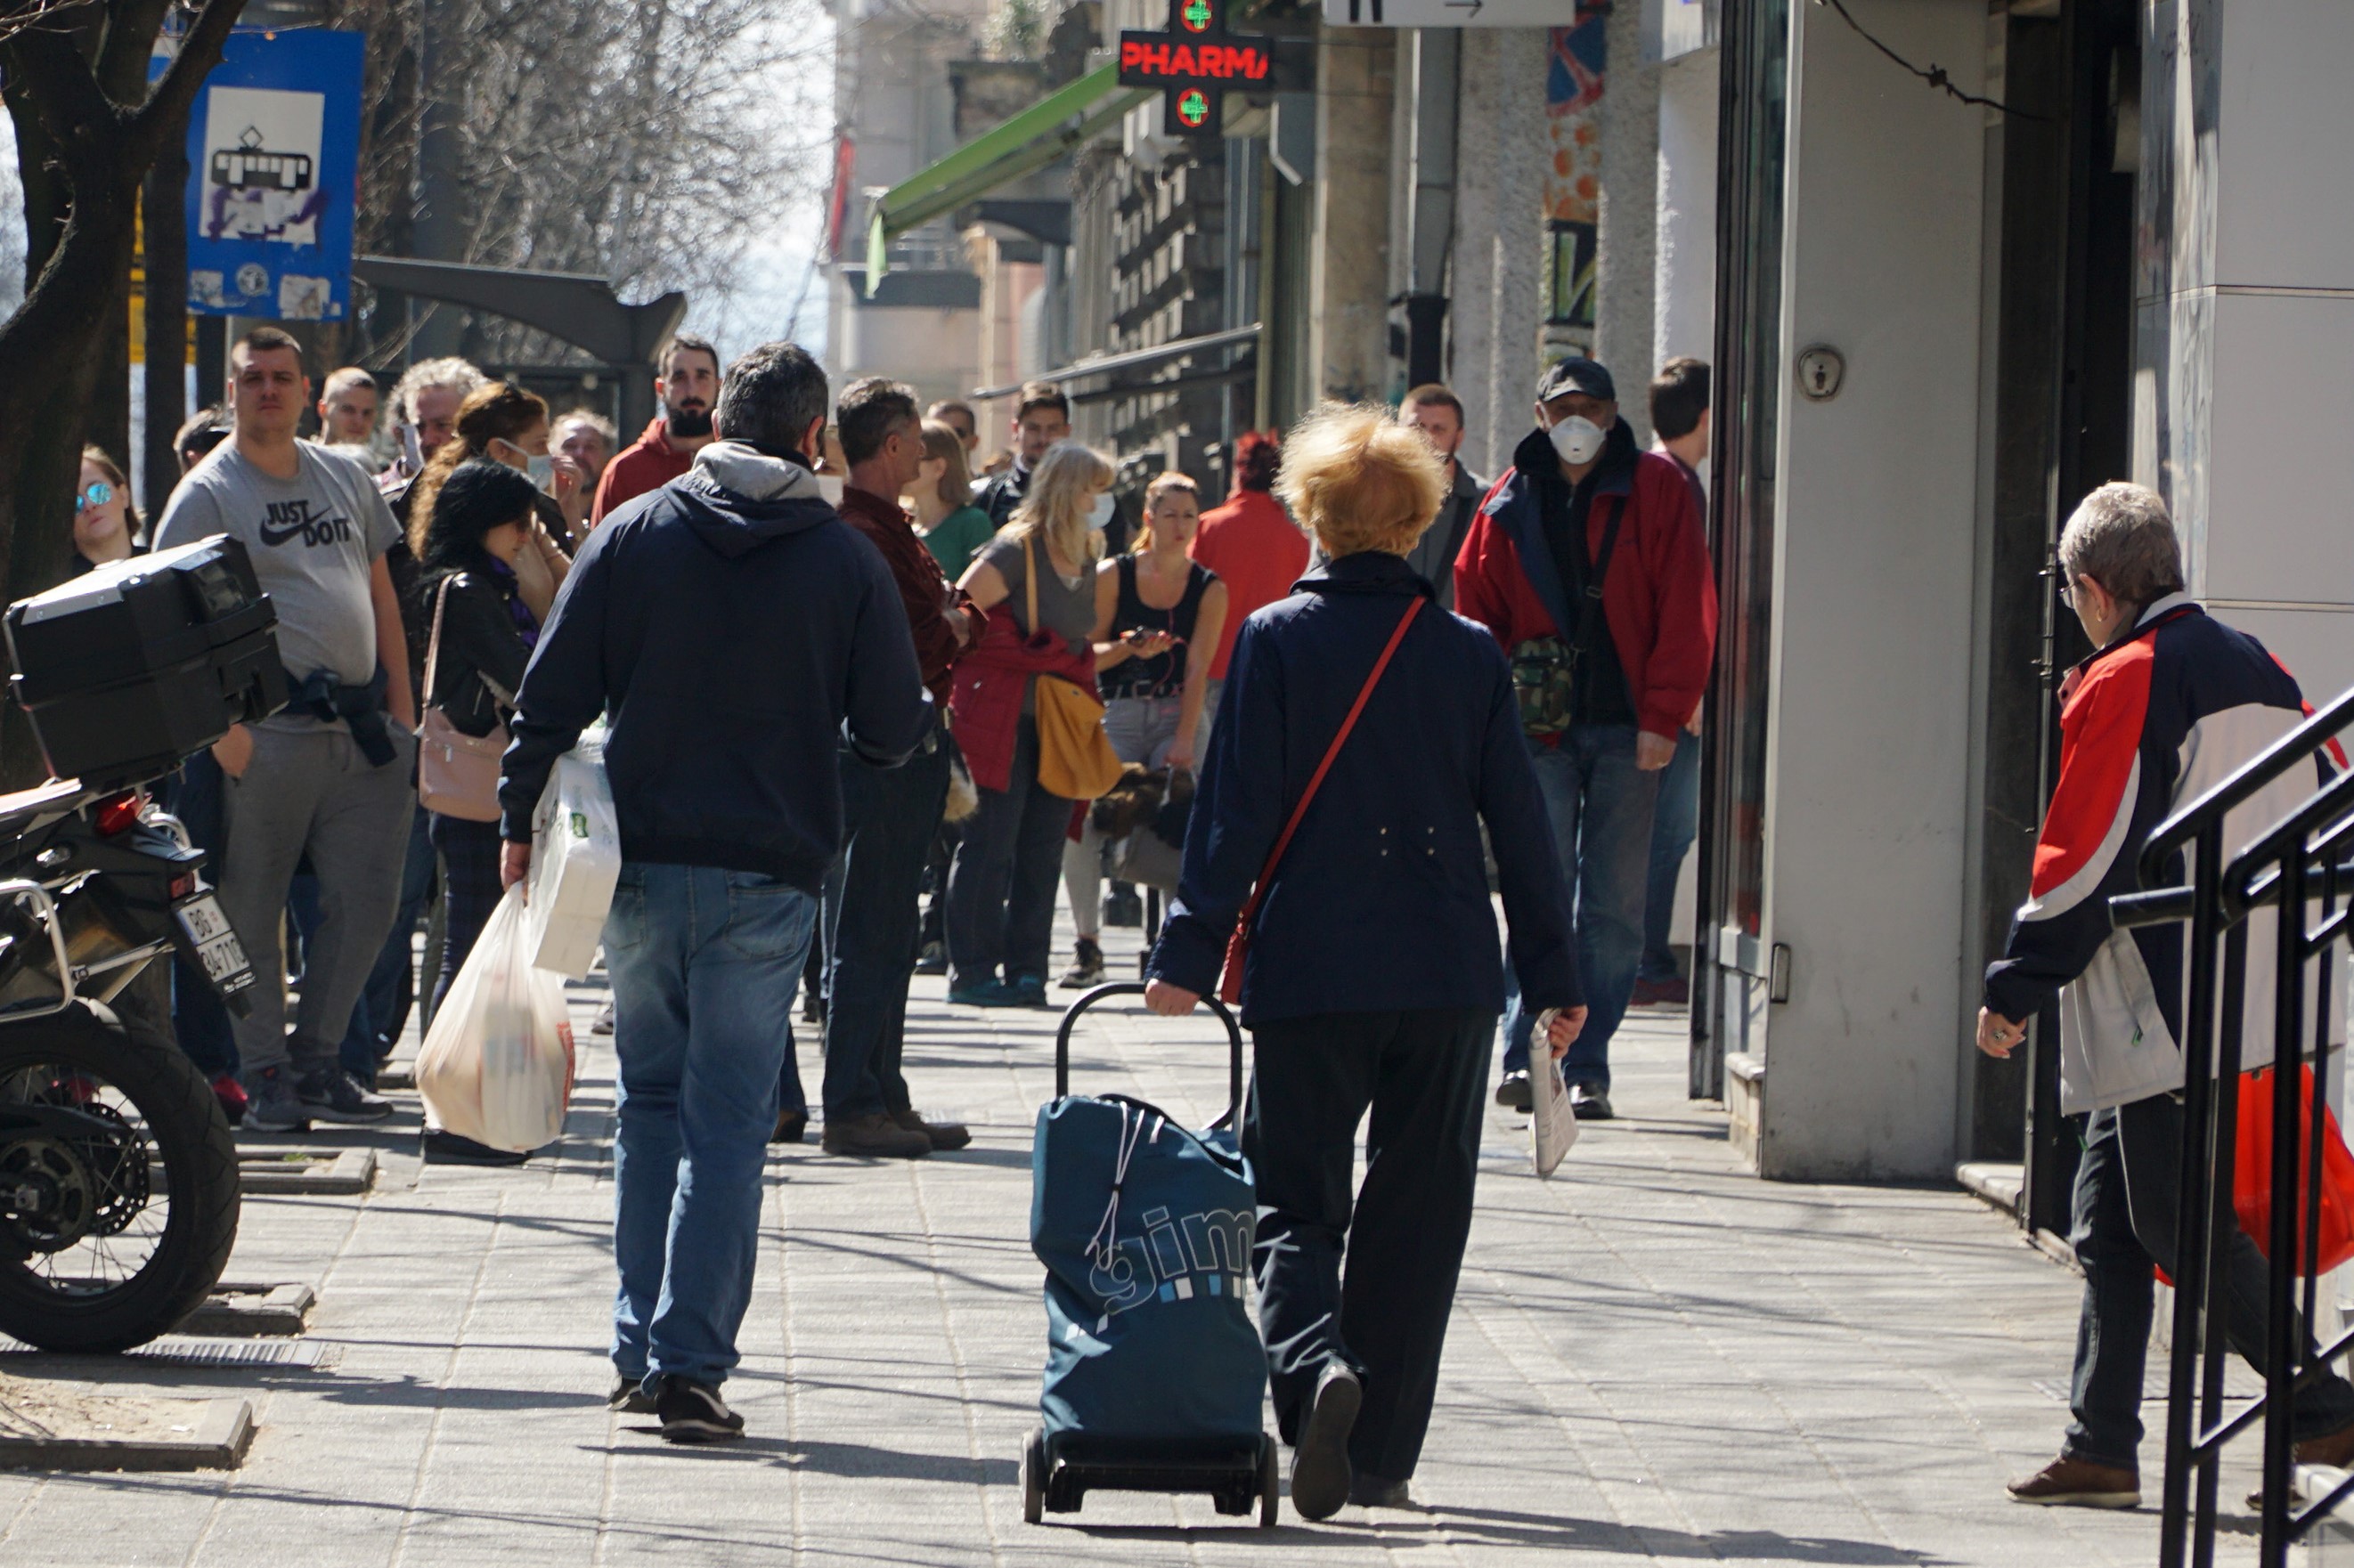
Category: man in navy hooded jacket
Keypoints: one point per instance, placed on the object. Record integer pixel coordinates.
(736, 631)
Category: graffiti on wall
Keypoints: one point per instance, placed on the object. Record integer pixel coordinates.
(1574, 77)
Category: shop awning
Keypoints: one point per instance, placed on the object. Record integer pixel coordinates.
(1135, 359)
(1033, 138)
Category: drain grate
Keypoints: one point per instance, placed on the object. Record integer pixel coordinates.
(189, 1351)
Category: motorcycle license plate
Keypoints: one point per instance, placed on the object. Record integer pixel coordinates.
(216, 946)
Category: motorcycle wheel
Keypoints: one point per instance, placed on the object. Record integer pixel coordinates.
(118, 1184)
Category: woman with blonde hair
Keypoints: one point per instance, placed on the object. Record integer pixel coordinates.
(951, 527)
(1037, 580)
(500, 421)
(1155, 607)
(1371, 978)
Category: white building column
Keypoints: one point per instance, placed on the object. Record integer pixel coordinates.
(2244, 313)
(1875, 516)
(1497, 304)
(1686, 286)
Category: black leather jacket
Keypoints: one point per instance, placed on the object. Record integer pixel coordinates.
(481, 659)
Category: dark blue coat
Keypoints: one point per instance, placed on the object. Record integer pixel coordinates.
(1381, 903)
(733, 639)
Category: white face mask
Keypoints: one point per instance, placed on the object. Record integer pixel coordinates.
(1100, 513)
(1577, 439)
(542, 470)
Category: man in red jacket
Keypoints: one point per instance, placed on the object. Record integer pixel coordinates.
(1588, 562)
(689, 386)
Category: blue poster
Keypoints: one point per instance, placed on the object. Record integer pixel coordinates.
(273, 159)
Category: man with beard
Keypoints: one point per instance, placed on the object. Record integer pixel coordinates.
(688, 385)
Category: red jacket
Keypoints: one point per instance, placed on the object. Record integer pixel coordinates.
(923, 587)
(1659, 597)
(985, 699)
(1257, 550)
(648, 464)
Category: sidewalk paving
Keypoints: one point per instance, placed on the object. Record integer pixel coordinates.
(1654, 1357)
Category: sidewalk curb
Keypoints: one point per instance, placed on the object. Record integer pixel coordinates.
(221, 1434)
(348, 1172)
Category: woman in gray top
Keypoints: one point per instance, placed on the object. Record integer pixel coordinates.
(1000, 912)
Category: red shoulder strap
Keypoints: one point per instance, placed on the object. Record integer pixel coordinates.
(1230, 984)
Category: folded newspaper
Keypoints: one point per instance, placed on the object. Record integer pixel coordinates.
(1553, 1127)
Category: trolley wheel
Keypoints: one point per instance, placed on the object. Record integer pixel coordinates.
(1034, 1477)
(1270, 1485)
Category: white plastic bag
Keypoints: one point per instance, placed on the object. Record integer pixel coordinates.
(575, 860)
(1553, 1126)
(497, 1064)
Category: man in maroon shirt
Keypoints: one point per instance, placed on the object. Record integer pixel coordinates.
(888, 814)
(689, 386)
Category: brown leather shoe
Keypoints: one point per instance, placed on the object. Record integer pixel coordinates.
(876, 1136)
(2079, 1483)
(945, 1134)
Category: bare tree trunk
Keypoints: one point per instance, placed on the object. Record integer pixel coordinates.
(106, 130)
(166, 223)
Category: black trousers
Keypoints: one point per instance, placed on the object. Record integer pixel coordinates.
(1421, 1073)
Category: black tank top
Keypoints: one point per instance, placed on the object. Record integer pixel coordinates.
(1163, 676)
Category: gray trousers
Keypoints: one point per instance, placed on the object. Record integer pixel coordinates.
(312, 791)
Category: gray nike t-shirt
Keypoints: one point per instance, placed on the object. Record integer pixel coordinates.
(313, 539)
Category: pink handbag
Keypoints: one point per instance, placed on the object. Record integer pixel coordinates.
(457, 774)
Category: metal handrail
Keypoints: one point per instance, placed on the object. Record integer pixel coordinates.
(2292, 863)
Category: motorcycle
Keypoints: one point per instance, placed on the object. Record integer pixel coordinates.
(118, 1171)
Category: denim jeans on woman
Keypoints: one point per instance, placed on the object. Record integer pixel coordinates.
(705, 963)
(1600, 803)
(1002, 887)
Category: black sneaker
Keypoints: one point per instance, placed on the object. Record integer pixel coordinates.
(933, 960)
(630, 1397)
(271, 1105)
(330, 1094)
(1087, 967)
(1512, 1094)
(602, 1027)
(1320, 1472)
(1374, 1491)
(693, 1412)
(1122, 905)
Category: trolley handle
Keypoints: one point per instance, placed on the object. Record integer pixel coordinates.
(1136, 988)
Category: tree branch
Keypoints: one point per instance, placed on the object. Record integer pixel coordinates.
(166, 112)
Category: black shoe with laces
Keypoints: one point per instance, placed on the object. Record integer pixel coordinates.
(1513, 1093)
(1320, 1472)
(693, 1412)
(330, 1094)
(628, 1396)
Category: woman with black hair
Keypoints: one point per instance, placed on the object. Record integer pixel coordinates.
(482, 635)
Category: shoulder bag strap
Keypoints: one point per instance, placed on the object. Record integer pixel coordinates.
(433, 644)
(1230, 984)
(1030, 581)
(1589, 608)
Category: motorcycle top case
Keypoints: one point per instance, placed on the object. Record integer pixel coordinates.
(130, 667)
(1145, 1229)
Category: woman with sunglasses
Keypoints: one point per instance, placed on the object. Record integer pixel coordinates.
(1153, 604)
(105, 523)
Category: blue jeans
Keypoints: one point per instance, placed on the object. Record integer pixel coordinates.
(889, 816)
(2125, 1205)
(1001, 886)
(1600, 804)
(384, 1007)
(704, 963)
(1674, 823)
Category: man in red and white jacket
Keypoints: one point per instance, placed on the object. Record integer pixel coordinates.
(1584, 521)
(2173, 703)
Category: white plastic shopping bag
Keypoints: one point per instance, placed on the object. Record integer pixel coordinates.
(1553, 1126)
(497, 1064)
(575, 860)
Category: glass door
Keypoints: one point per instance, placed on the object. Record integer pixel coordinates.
(1732, 968)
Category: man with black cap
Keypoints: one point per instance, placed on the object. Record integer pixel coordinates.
(1588, 562)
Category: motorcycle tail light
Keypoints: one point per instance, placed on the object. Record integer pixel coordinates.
(117, 814)
(184, 885)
